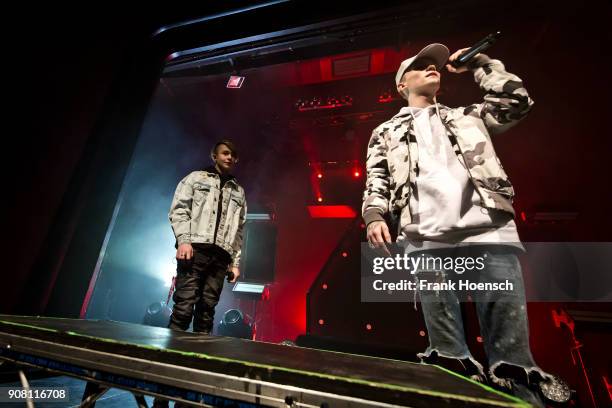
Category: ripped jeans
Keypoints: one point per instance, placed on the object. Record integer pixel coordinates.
(502, 314)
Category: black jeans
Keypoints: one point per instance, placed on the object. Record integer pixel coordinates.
(199, 282)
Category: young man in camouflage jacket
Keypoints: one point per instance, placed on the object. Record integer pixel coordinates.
(435, 172)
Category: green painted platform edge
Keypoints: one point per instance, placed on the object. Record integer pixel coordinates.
(486, 387)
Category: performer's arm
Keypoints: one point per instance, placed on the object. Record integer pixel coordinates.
(377, 192)
(235, 266)
(506, 101)
(180, 216)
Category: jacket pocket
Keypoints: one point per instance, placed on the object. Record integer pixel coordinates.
(234, 206)
(200, 191)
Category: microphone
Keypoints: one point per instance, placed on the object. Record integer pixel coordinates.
(476, 48)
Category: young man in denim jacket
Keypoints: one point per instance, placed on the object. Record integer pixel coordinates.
(207, 215)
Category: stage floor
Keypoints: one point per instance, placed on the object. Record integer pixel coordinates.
(222, 370)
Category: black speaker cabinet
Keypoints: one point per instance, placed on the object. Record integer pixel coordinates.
(259, 252)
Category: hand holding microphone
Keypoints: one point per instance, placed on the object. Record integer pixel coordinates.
(457, 62)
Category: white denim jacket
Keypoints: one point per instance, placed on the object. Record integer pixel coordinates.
(193, 213)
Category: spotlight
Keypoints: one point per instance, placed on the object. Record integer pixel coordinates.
(320, 175)
(320, 199)
(332, 101)
(157, 314)
(385, 97)
(347, 100)
(356, 173)
(234, 324)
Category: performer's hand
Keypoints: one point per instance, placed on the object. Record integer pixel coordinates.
(236, 271)
(184, 252)
(453, 57)
(378, 235)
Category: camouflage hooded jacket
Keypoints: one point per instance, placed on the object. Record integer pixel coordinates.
(392, 158)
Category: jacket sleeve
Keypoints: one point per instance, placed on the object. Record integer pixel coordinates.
(506, 102)
(180, 211)
(377, 194)
(237, 245)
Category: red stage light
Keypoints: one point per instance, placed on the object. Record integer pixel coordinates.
(320, 199)
(345, 254)
(235, 81)
(317, 103)
(523, 216)
(422, 333)
(368, 326)
(479, 339)
(608, 386)
(324, 286)
(385, 97)
(356, 174)
(331, 211)
(265, 295)
(321, 322)
(319, 175)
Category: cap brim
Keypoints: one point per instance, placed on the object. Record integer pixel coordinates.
(439, 53)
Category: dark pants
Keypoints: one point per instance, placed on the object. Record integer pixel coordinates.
(198, 286)
(199, 282)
